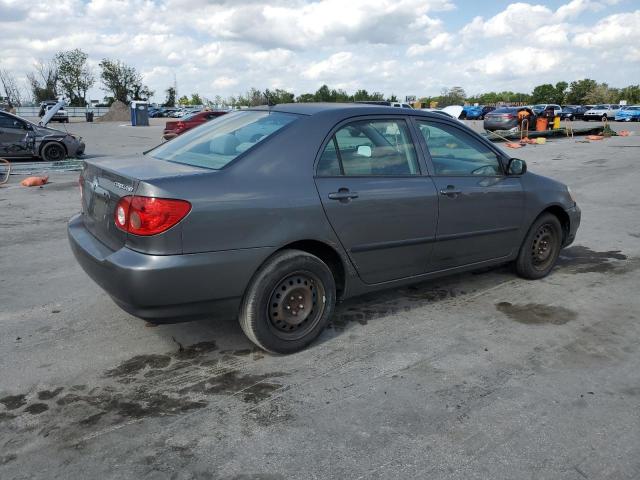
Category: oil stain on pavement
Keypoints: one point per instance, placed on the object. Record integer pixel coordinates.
(536, 313)
(141, 387)
(580, 259)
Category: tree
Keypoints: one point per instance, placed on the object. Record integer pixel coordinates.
(305, 98)
(196, 99)
(170, 101)
(74, 76)
(44, 81)
(323, 94)
(600, 93)
(10, 88)
(561, 90)
(578, 91)
(452, 96)
(183, 100)
(123, 81)
(544, 93)
(278, 96)
(631, 94)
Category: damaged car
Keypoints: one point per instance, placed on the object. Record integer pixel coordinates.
(20, 138)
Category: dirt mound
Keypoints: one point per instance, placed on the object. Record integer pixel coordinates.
(119, 112)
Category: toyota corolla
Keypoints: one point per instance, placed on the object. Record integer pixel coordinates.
(273, 214)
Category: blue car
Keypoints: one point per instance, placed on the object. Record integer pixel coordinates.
(628, 114)
(475, 112)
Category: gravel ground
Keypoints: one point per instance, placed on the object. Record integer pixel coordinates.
(482, 375)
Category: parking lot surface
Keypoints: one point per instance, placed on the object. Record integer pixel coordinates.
(481, 375)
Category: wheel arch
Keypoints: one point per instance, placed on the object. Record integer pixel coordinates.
(328, 255)
(562, 216)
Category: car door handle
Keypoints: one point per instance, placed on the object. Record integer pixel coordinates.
(450, 191)
(343, 194)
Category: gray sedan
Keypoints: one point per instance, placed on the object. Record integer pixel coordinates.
(20, 138)
(274, 214)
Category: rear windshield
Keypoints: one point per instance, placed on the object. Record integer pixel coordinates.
(221, 140)
(504, 110)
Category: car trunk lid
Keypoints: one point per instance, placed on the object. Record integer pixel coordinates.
(104, 182)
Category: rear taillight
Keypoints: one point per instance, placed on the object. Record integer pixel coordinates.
(149, 216)
(179, 126)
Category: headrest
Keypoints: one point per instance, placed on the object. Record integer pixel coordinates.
(224, 145)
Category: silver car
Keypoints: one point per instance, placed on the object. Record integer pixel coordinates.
(20, 138)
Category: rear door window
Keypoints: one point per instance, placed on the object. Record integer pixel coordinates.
(370, 148)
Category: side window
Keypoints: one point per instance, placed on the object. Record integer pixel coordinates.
(6, 121)
(454, 152)
(329, 165)
(370, 147)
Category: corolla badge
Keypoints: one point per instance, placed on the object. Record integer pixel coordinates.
(122, 186)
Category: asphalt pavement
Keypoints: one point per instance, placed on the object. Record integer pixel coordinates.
(479, 376)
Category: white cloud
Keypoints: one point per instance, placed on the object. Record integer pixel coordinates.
(395, 46)
(518, 62)
(620, 30)
(442, 41)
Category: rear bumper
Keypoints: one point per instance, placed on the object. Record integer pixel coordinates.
(167, 288)
(574, 222)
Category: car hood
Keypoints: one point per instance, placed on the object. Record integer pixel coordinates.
(51, 132)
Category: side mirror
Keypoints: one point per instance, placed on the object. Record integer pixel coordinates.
(364, 151)
(516, 167)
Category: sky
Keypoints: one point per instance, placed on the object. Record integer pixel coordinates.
(401, 47)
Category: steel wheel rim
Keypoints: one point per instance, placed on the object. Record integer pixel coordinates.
(54, 153)
(296, 305)
(543, 247)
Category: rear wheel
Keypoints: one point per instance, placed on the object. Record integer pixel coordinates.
(541, 247)
(52, 152)
(288, 302)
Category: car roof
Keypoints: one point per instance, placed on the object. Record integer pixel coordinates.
(345, 109)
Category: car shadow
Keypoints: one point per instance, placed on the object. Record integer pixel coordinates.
(356, 312)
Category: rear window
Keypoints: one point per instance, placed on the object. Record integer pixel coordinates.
(504, 110)
(222, 139)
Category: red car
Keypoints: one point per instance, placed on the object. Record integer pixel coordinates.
(173, 129)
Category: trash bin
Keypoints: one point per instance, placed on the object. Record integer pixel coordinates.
(541, 124)
(556, 122)
(139, 114)
(88, 116)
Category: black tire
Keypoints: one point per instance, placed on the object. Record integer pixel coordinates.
(267, 316)
(53, 152)
(604, 118)
(541, 247)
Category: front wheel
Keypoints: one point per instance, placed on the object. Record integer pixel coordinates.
(541, 247)
(288, 302)
(53, 152)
